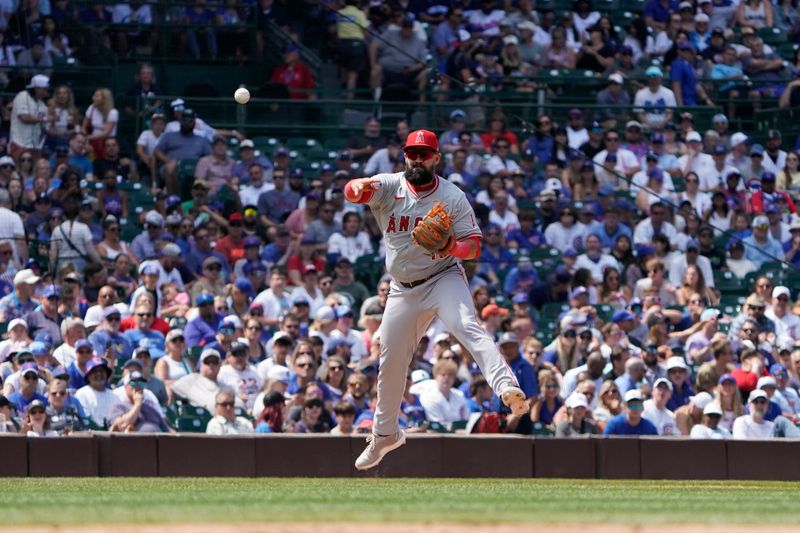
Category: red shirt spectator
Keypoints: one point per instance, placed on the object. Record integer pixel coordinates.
(232, 244)
(294, 74)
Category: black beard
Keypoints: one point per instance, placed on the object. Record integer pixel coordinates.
(418, 176)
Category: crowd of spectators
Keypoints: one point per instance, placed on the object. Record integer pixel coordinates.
(638, 274)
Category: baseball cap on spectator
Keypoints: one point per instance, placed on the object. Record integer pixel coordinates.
(720, 149)
(343, 311)
(769, 176)
(170, 250)
(17, 322)
(456, 178)
(693, 244)
(52, 291)
(204, 298)
(767, 381)
(188, 114)
(774, 134)
(676, 362)
(526, 25)
(134, 376)
(508, 338)
(626, 50)
(39, 81)
(547, 194)
(685, 5)
(578, 291)
(252, 241)
(244, 285)
(633, 124)
(335, 343)
(95, 363)
(605, 189)
(576, 399)
(211, 260)
(652, 156)
(553, 184)
(611, 157)
(279, 373)
(575, 112)
(520, 298)
(756, 149)
(656, 174)
(701, 399)
(31, 368)
(693, 136)
(492, 310)
(282, 337)
(726, 378)
(719, 118)
(326, 313)
(653, 71)
(664, 381)
(39, 348)
(133, 363)
(777, 368)
(208, 353)
(457, 114)
(237, 348)
(26, 277)
(755, 300)
(154, 218)
(510, 39)
(7, 161)
(442, 337)
(738, 138)
(633, 395)
(149, 269)
(781, 290)
(408, 20)
(419, 375)
(174, 334)
(253, 266)
(247, 143)
(760, 222)
(709, 314)
(712, 409)
(756, 394)
(621, 316)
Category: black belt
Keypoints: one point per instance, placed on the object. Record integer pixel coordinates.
(419, 282)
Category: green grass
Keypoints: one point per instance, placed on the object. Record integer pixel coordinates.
(190, 500)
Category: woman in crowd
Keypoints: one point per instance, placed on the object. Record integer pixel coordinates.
(111, 247)
(252, 333)
(37, 421)
(788, 178)
(694, 283)
(271, 418)
(548, 402)
(609, 404)
(62, 117)
(730, 400)
(100, 121)
(334, 375)
(174, 364)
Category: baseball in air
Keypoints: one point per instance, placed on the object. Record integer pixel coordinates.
(241, 95)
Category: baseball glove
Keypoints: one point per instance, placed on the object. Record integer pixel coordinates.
(433, 233)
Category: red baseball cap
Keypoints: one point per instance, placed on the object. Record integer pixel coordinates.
(235, 217)
(422, 139)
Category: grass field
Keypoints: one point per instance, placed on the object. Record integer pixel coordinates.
(410, 501)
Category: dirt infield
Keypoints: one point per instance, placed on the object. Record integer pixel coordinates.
(316, 527)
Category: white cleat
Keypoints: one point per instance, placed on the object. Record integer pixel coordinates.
(514, 399)
(377, 447)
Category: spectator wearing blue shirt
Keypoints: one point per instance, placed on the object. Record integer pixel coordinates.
(526, 236)
(631, 422)
(494, 256)
(28, 383)
(634, 373)
(760, 247)
(521, 278)
(77, 369)
(677, 373)
(522, 369)
(657, 12)
(684, 78)
(142, 335)
(107, 336)
(202, 329)
(611, 229)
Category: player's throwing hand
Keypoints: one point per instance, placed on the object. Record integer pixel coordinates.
(358, 187)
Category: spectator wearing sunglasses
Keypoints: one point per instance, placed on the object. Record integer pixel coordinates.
(143, 334)
(239, 375)
(225, 421)
(65, 413)
(754, 425)
(108, 337)
(28, 388)
(134, 412)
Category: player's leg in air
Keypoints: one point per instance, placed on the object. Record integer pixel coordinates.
(456, 309)
(405, 321)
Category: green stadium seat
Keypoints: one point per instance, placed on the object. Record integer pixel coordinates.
(772, 36)
(190, 424)
(551, 311)
(726, 282)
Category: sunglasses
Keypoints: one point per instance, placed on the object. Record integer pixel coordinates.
(305, 365)
(419, 154)
(144, 315)
(226, 404)
(137, 383)
(211, 362)
(227, 330)
(58, 393)
(334, 368)
(178, 339)
(214, 267)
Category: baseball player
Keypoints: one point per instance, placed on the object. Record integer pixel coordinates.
(427, 225)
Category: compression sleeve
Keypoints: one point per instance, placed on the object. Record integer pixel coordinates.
(364, 197)
(469, 248)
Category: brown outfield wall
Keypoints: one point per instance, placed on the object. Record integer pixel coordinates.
(426, 455)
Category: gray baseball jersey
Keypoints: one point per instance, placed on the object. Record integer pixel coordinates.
(398, 210)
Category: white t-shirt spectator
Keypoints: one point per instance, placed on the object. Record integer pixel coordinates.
(441, 409)
(562, 238)
(220, 426)
(788, 325)
(496, 164)
(654, 104)
(597, 267)
(358, 349)
(507, 221)
(11, 228)
(745, 428)
(245, 382)
(662, 419)
(97, 405)
(99, 123)
(699, 431)
(21, 133)
(486, 25)
(349, 246)
(249, 194)
(148, 140)
(626, 161)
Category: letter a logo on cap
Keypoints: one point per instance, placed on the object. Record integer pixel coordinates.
(422, 139)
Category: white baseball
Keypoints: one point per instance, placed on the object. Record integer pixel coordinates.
(241, 95)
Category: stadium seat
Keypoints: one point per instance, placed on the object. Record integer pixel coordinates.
(727, 283)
